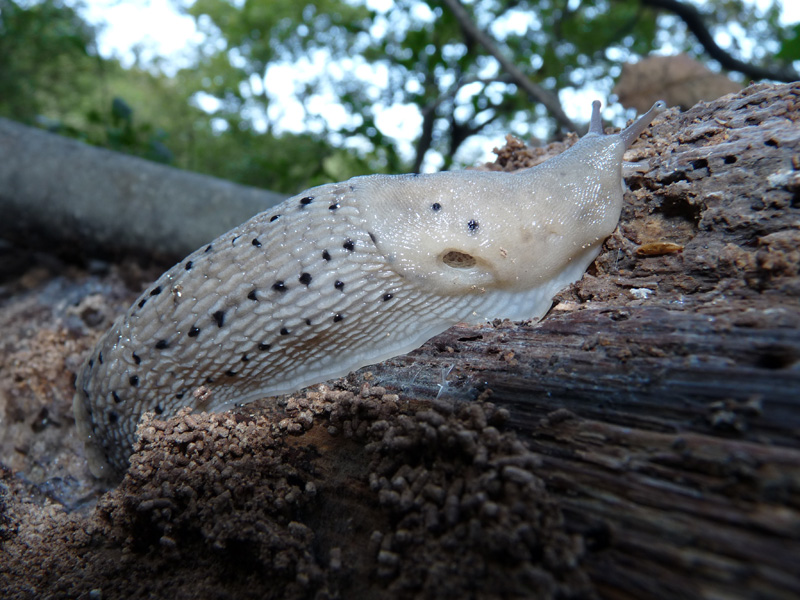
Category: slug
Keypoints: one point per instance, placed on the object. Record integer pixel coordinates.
(345, 275)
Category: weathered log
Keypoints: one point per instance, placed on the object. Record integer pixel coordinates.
(60, 195)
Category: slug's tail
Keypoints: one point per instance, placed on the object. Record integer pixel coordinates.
(630, 133)
(94, 456)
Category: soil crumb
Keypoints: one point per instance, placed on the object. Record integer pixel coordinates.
(238, 505)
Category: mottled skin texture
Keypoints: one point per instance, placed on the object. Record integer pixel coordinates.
(345, 275)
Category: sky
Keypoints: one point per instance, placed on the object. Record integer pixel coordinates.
(153, 24)
(158, 29)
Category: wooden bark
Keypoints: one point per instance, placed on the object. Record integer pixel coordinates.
(670, 439)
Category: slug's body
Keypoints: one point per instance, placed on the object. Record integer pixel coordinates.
(345, 275)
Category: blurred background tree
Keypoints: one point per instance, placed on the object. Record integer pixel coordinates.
(386, 86)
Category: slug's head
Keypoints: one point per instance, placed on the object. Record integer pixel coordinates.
(477, 231)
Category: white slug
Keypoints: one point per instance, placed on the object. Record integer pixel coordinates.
(345, 275)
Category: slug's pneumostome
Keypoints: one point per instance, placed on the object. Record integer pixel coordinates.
(345, 275)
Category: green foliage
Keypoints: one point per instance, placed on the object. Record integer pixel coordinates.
(415, 53)
(51, 76)
(790, 45)
(43, 49)
(431, 63)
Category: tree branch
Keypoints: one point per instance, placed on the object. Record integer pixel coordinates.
(461, 131)
(429, 116)
(694, 21)
(549, 100)
(426, 137)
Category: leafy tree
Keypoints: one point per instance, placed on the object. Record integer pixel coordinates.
(52, 76)
(46, 53)
(486, 67)
(468, 68)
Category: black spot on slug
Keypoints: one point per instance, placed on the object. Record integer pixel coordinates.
(219, 318)
(473, 225)
(284, 331)
(113, 417)
(180, 395)
(372, 237)
(91, 363)
(233, 241)
(134, 380)
(256, 243)
(306, 201)
(387, 297)
(337, 317)
(136, 358)
(116, 397)
(158, 410)
(279, 286)
(263, 347)
(209, 380)
(339, 285)
(245, 358)
(230, 373)
(305, 278)
(155, 291)
(349, 245)
(208, 248)
(275, 218)
(194, 331)
(252, 296)
(162, 345)
(308, 321)
(100, 357)
(142, 302)
(333, 206)
(188, 266)
(436, 207)
(326, 255)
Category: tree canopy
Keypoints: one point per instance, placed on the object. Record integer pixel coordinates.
(438, 71)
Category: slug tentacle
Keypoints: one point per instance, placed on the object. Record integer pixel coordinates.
(345, 275)
(633, 131)
(596, 123)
